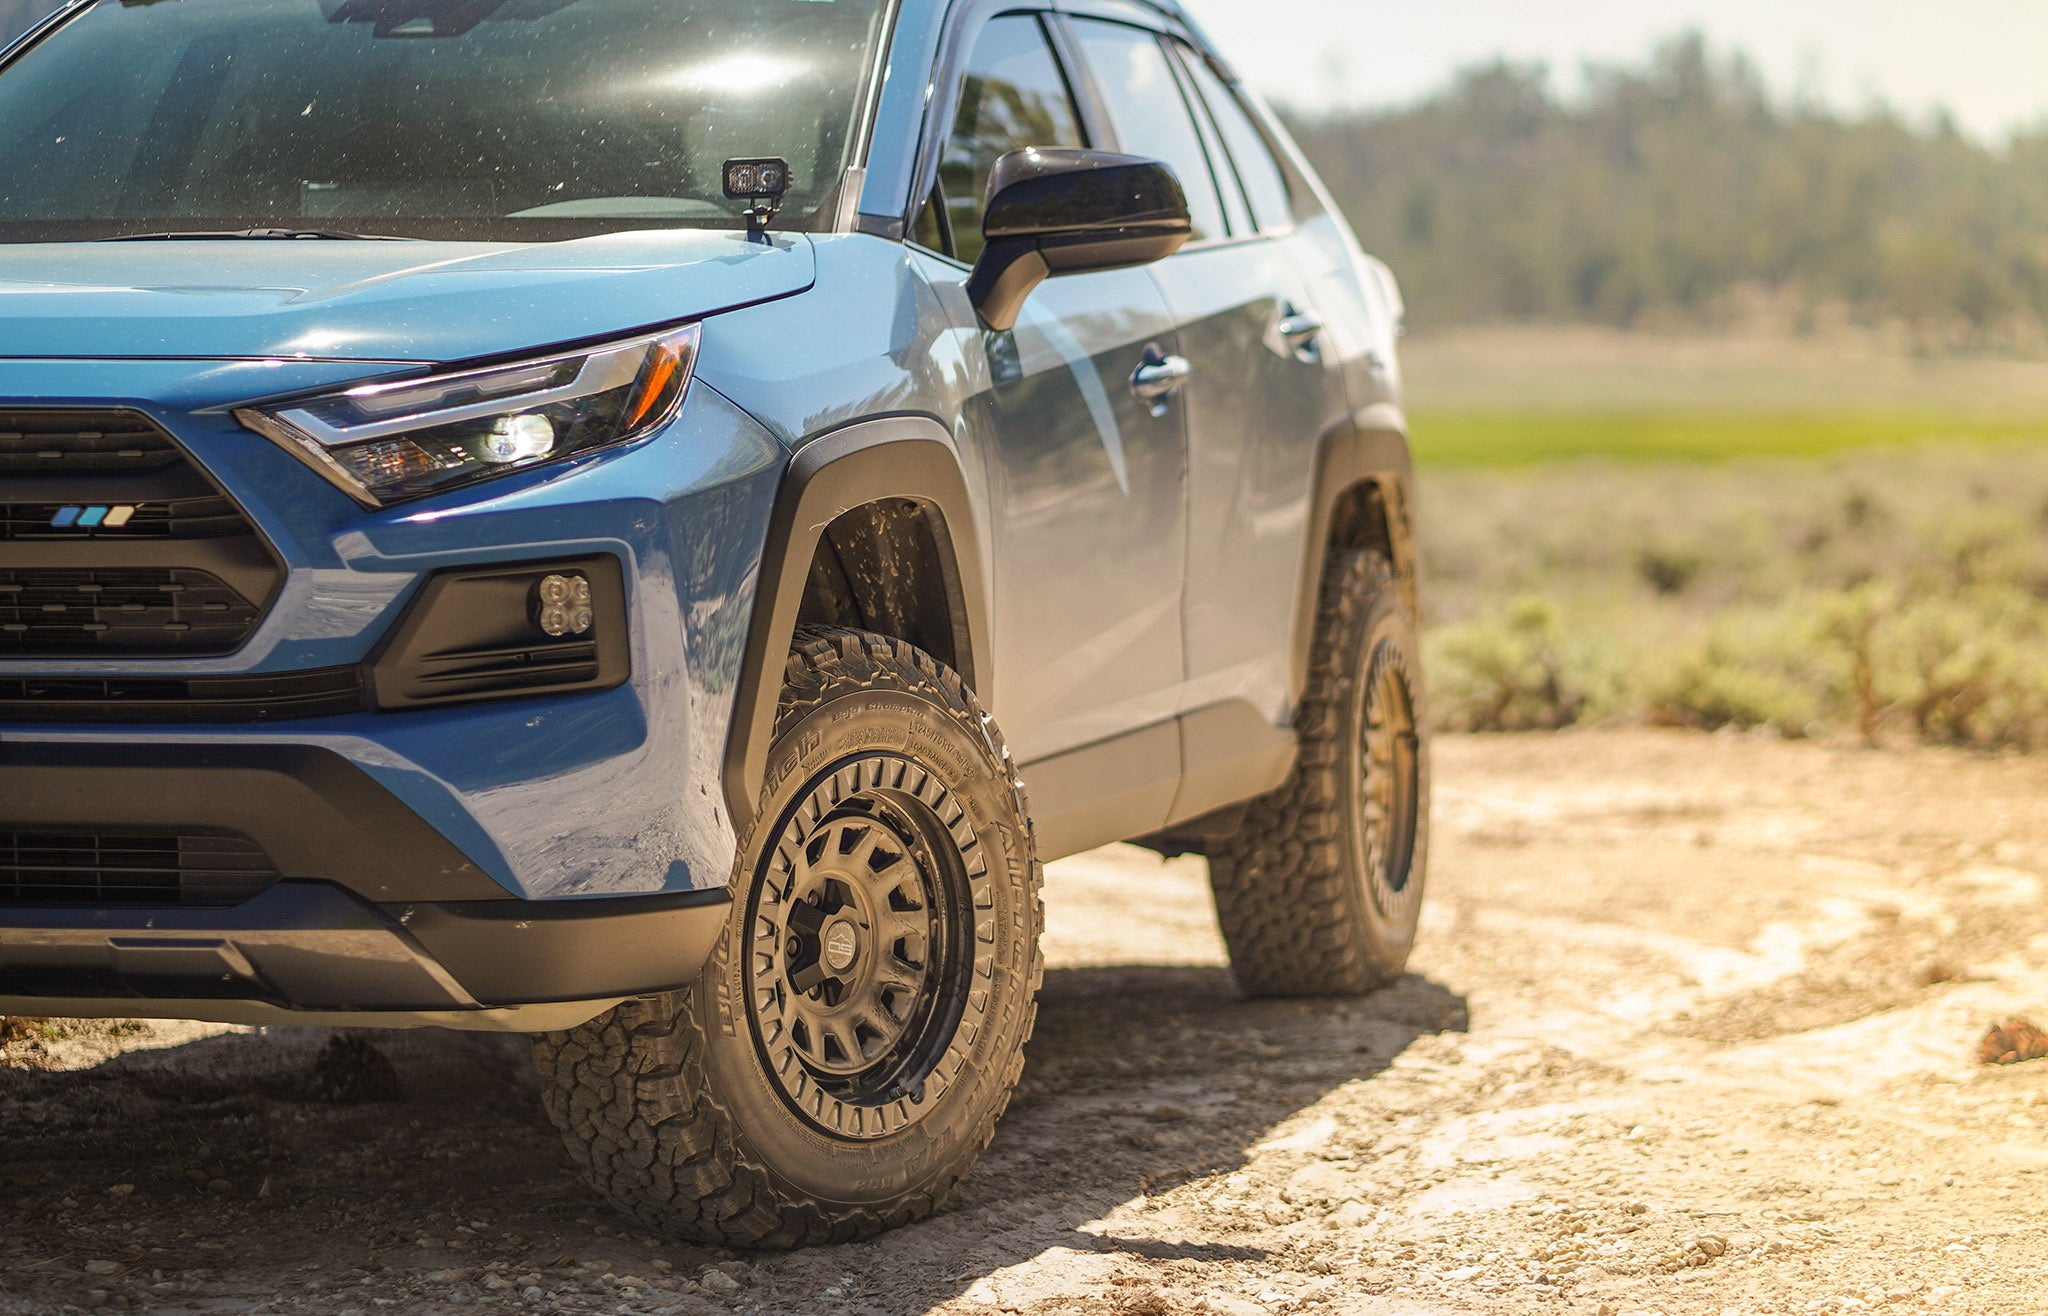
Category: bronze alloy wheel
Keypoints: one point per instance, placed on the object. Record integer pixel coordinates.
(1389, 782)
(862, 944)
(843, 1059)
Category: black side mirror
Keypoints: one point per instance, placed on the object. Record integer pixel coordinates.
(1057, 211)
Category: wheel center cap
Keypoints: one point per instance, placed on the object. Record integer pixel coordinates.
(841, 946)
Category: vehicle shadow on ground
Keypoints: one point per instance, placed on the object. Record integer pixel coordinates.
(1142, 1079)
(250, 1166)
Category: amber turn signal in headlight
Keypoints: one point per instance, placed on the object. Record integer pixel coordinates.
(386, 443)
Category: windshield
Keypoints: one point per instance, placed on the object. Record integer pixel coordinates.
(492, 119)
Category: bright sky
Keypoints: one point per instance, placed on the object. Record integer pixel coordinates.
(1982, 59)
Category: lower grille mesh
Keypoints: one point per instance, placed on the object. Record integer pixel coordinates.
(123, 868)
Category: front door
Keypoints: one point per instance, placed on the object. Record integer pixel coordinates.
(1087, 479)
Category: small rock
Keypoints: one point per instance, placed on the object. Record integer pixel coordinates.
(663, 1267)
(1712, 1244)
(102, 1267)
(2013, 1042)
(717, 1281)
(121, 1190)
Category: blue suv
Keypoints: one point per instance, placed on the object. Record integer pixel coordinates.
(529, 515)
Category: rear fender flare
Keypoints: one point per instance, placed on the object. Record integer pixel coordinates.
(1369, 447)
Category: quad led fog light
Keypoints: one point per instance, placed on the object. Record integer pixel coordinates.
(562, 605)
(505, 632)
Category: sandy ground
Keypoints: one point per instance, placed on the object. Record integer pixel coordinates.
(1692, 1031)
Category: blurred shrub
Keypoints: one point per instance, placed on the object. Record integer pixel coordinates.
(1972, 671)
(1748, 671)
(1898, 593)
(1669, 568)
(1505, 673)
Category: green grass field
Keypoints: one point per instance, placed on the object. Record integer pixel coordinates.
(1520, 397)
(1820, 538)
(1452, 438)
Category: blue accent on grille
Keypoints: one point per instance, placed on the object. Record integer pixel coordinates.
(93, 516)
(65, 516)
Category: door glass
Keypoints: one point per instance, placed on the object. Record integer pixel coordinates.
(1012, 95)
(1263, 182)
(1235, 211)
(1150, 114)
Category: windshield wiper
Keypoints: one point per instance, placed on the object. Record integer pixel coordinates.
(273, 233)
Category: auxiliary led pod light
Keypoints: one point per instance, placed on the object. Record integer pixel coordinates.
(561, 605)
(386, 443)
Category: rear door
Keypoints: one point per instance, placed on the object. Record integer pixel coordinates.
(1260, 393)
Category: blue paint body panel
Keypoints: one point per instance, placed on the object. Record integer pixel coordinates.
(1086, 506)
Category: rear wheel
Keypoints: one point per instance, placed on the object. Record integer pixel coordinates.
(845, 1057)
(1320, 888)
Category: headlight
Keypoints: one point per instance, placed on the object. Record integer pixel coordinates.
(385, 443)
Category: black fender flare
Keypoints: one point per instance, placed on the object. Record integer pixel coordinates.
(1367, 447)
(912, 458)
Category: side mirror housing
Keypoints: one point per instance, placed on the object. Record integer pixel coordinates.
(1059, 211)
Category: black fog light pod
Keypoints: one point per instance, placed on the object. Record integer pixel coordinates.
(473, 634)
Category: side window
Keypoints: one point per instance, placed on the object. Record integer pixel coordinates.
(1235, 212)
(1264, 185)
(1012, 95)
(1151, 116)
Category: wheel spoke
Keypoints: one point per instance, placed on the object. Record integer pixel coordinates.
(898, 973)
(842, 1034)
(893, 925)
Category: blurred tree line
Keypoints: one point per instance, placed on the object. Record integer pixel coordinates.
(1669, 191)
(1678, 191)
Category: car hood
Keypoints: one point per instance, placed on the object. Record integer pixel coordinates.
(372, 300)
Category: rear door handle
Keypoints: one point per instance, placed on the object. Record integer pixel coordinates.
(1159, 377)
(1299, 330)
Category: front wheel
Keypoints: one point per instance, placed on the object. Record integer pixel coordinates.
(848, 1050)
(1320, 888)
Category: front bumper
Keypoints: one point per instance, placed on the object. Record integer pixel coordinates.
(310, 952)
(372, 916)
(508, 864)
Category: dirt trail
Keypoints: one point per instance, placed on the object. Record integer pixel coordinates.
(1692, 1032)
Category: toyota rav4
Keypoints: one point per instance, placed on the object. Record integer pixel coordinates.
(530, 514)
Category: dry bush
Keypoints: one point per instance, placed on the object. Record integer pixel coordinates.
(1507, 673)
(1889, 592)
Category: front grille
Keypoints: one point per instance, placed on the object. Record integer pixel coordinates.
(321, 692)
(54, 611)
(114, 544)
(46, 867)
(175, 518)
(60, 443)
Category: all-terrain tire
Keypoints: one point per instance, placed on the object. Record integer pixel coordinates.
(742, 1111)
(1319, 888)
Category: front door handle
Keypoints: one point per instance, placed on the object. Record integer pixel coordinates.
(1158, 378)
